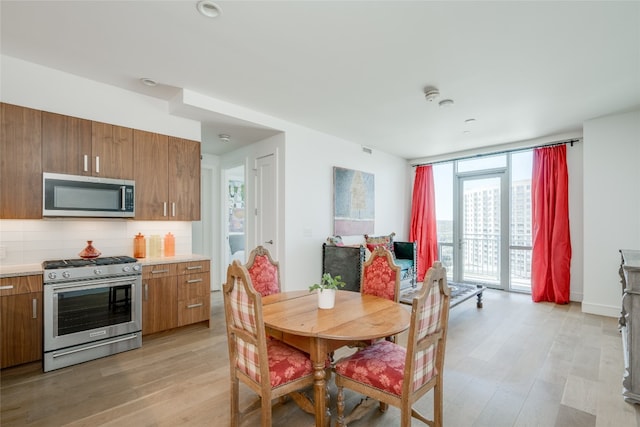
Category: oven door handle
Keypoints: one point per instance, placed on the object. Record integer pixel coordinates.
(65, 353)
(84, 285)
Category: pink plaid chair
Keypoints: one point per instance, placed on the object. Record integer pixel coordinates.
(398, 376)
(270, 368)
(264, 271)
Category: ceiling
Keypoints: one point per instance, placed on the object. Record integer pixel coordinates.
(354, 69)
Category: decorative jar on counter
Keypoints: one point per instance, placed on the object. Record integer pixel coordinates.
(155, 246)
(139, 246)
(169, 245)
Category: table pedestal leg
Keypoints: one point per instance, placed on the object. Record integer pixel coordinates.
(320, 390)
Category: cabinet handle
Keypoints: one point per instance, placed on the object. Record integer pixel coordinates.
(159, 271)
(195, 267)
(6, 288)
(173, 209)
(194, 281)
(34, 303)
(97, 164)
(195, 305)
(164, 209)
(86, 163)
(146, 292)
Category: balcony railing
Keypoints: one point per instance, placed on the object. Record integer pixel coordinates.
(481, 260)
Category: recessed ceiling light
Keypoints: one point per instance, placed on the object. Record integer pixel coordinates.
(209, 9)
(446, 103)
(147, 81)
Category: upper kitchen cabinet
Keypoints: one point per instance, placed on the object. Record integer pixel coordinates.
(112, 150)
(66, 144)
(81, 147)
(150, 151)
(167, 176)
(20, 163)
(184, 179)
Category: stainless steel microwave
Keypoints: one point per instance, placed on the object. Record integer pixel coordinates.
(86, 196)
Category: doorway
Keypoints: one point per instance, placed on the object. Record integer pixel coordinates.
(235, 214)
(480, 234)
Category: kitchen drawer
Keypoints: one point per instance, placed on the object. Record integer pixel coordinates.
(193, 267)
(158, 270)
(194, 298)
(20, 285)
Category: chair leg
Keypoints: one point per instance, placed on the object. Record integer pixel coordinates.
(437, 404)
(340, 405)
(266, 411)
(235, 403)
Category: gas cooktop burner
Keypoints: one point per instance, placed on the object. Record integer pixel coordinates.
(79, 262)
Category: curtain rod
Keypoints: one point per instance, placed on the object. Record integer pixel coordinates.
(495, 153)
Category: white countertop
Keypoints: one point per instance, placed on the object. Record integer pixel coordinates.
(33, 269)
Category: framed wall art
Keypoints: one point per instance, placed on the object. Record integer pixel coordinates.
(353, 202)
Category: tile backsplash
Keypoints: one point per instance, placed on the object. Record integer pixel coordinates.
(34, 241)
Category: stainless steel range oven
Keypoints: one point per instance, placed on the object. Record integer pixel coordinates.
(92, 309)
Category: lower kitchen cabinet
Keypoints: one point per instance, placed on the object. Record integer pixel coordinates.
(175, 294)
(20, 320)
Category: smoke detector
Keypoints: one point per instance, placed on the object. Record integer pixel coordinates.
(224, 137)
(431, 93)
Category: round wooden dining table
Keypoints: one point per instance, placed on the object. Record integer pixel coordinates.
(294, 317)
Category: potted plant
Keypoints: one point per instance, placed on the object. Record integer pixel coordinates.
(326, 290)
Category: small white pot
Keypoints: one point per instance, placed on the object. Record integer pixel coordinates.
(326, 298)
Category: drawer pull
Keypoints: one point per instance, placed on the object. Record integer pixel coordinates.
(195, 305)
(159, 271)
(194, 281)
(6, 288)
(195, 267)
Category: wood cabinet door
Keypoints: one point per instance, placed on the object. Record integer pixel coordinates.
(159, 304)
(152, 182)
(20, 163)
(112, 151)
(66, 144)
(21, 329)
(184, 179)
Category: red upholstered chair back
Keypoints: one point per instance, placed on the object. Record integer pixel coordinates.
(264, 271)
(380, 275)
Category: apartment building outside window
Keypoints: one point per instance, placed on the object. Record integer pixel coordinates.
(483, 213)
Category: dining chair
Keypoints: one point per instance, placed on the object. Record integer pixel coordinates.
(380, 277)
(270, 368)
(399, 376)
(264, 271)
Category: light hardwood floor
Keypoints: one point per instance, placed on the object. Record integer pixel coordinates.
(512, 363)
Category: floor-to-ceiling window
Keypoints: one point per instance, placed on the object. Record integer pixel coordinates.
(483, 213)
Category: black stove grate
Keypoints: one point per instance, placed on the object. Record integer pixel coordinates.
(80, 262)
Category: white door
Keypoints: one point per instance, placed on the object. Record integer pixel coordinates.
(266, 211)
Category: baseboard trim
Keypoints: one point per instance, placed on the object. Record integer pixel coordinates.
(601, 310)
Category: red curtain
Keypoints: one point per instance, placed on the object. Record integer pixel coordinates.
(551, 255)
(423, 220)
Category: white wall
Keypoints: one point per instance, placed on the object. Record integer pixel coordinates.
(611, 206)
(310, 159)
(305, 160)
